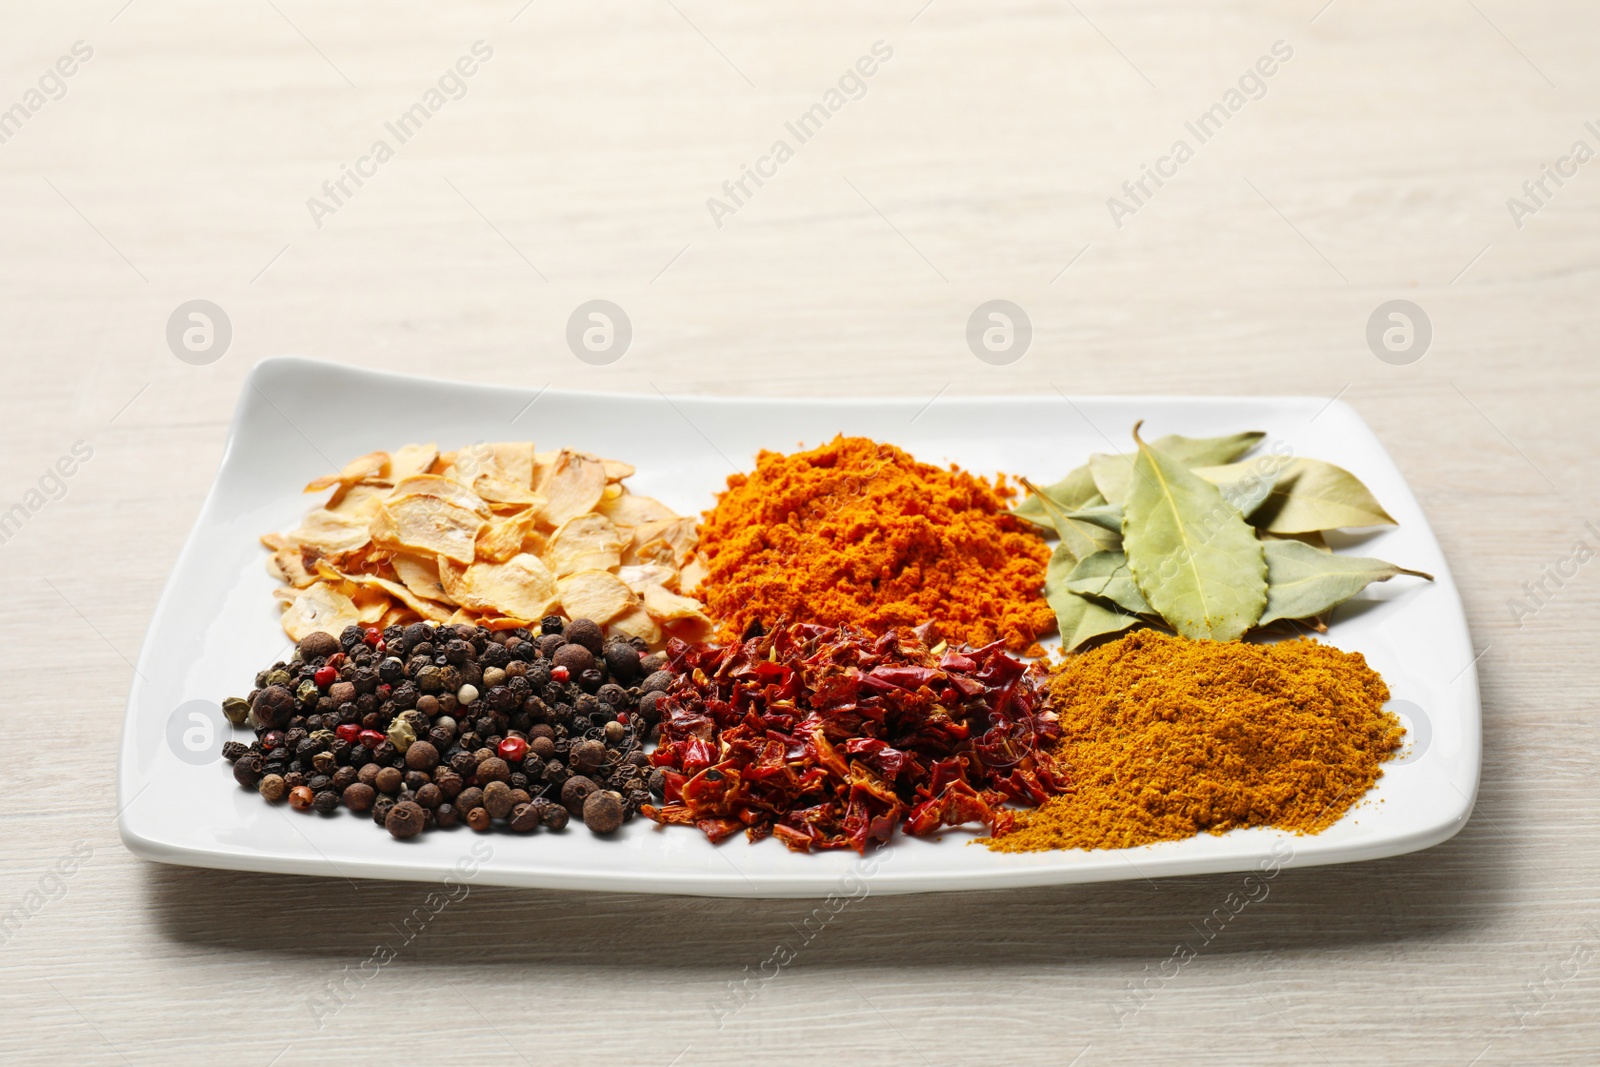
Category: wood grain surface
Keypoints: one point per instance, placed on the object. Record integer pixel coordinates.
(1375, 163)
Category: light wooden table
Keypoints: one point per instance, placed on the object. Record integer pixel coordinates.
(977, 165)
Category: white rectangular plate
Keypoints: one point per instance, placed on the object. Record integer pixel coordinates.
(216, 625)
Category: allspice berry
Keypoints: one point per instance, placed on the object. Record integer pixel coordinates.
(422, 756)
(358, 796)
(575, 658)
(405, 820)
(577, 790)
(497, 798)
(389, 780)
(524, 818)
(585, 632)
(602, 812)
(318, 645)
(587, 755)
(478, 819)
(493, 769)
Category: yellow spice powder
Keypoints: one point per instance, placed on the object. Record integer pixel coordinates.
(1165, 737)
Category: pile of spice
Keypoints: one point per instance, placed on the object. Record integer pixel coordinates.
(859, 533)
(1164, 738)
(828, 738)
(426, 726)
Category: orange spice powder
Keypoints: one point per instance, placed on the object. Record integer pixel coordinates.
(861, 533)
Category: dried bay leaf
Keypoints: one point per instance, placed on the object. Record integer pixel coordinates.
(1113, 474)
(1195, 559)
(1082, 539)
(1247, 484)
(1312, 495)
(1303, 581)
(1106, 575)
(1075, 491)
(1079, 618)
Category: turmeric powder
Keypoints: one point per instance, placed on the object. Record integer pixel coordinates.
(860, 533)
(1165, 737)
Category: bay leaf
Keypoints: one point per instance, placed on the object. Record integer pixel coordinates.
(1313, 495)
(1246, 484)
(1195, 559)
(1303, 581)
(1074, 491)
(1105, 516)
(1114, 473)
(1077, 536)
(1078, 617)
(1313, 538)
(1106, 575)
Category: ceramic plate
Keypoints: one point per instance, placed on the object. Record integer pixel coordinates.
(216, 625)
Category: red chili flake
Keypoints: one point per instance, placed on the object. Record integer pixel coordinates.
(325, 676)
(350, 731)
(829, 738)
(371, 738)
(512, 749)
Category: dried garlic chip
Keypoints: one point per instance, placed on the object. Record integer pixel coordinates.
(318, 608)
(696, 629)
(597, 595)
(629, 509)
(289, 565)
(584, 543)
(637, 576)
(498, 489)
(374, 466)
(331, 532)
(431, 526)
(636, 622)
(443, 488)
(412, 460)
(371, 604)
(397, 616)
(361, 502)
(502, 538)
(693, 574)
(521, 588)
(516, 461)
(666, 606)
(571, 486)
(421, 576)
(616, 470)
(423, 607)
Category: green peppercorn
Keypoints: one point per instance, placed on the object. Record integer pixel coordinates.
(401, 735)
(236, 708)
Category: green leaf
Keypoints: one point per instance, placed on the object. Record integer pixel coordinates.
(1080, 538)
(1106, 575)
(1313, 495)
(1074, 491)
(1247, 484)
(1192, 554)
(1079, 618)
(1114, 473)
(1303, 581)
(1106, 516)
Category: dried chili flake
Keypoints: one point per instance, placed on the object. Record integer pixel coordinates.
(829, 737)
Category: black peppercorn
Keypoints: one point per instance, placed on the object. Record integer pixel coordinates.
(553, 816)
(325, 801)
(247, 771)
(446, 816)
(524, 818)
